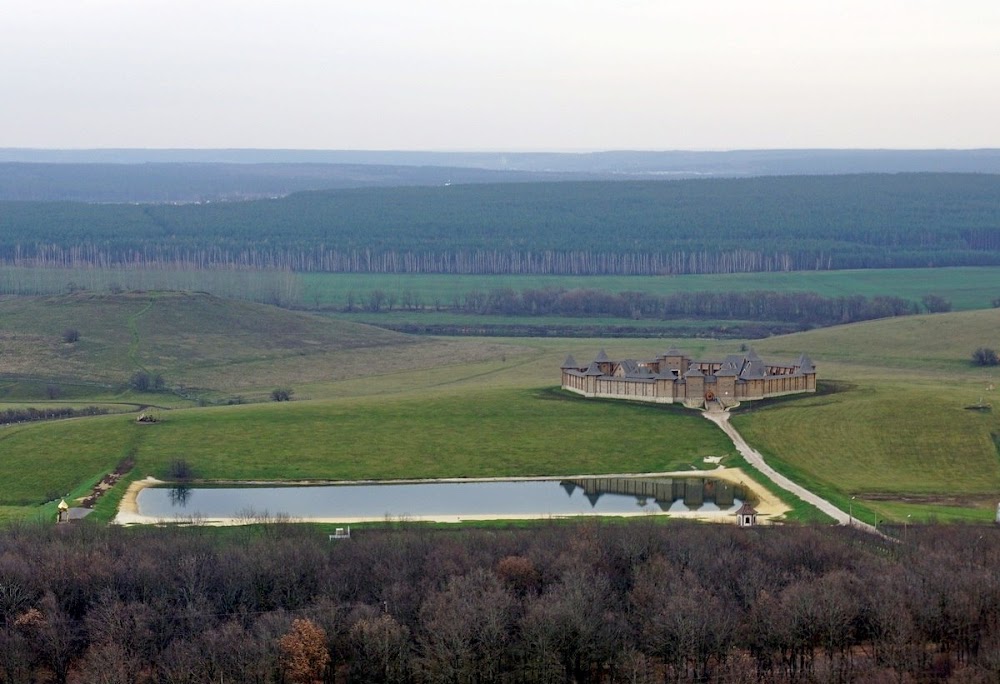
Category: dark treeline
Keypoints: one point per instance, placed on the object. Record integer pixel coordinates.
(622, 228)
(735, 331)
(165, 182)
(31, 413)
(588, 602)
(801, 307)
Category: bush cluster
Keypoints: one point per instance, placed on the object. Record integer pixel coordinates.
(31, 414)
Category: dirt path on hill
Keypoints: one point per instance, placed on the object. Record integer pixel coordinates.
(721, 418)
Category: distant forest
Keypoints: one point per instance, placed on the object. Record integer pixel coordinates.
(581, 228)
(161, 183)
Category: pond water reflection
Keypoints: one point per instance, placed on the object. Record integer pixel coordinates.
(441, 500)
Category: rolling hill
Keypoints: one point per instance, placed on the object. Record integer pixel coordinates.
(199, 342)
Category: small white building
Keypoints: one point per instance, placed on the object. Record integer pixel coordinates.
(747, 515)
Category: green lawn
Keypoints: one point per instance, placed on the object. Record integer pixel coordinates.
(898, 435)
(464, 434)
(41, 461)
(883, 438)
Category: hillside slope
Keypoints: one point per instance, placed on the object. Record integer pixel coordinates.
(905, 426)
(196, 340)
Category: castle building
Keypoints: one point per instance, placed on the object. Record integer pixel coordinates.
(673, 377)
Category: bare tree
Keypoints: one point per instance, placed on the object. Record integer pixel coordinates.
(380, 649)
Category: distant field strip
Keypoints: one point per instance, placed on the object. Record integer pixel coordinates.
(966, 288)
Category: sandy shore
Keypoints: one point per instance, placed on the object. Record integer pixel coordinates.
(768, 506)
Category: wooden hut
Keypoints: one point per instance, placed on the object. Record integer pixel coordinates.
(747, 515)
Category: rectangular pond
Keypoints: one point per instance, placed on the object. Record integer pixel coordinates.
(446, 500)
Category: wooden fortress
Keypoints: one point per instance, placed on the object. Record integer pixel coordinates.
(675, 377)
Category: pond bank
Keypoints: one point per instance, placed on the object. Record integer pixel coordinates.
(767, 504)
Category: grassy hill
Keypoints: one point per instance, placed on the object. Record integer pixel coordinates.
(197, 342)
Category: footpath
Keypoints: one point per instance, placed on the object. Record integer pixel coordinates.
(754, 458)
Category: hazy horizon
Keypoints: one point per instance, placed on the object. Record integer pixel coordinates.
(488, 150)
(518, 76)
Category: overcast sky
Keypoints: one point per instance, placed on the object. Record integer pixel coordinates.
(502, 75)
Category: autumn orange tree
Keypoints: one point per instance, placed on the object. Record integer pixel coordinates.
(303, 652)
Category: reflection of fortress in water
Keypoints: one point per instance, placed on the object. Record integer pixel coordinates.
(670, 494)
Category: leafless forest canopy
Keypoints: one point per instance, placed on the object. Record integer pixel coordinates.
(591, 602)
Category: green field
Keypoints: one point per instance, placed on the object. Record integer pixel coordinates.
(966, 288)
(899, 434)
(457, 434)
(891, 427)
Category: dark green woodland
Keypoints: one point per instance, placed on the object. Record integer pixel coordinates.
(620, 228)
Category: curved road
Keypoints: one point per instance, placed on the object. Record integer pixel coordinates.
(721, 418)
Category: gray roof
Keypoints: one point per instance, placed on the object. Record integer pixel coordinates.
(602, 356)
(753, 370)
(734, 361)
(630, 366)
(726, 372)
(693, 372)
(806, 365)
(593, 369)
(570, 362)
(673, 351)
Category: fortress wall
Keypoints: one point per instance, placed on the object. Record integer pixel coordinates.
(691, 392)
(628, 397)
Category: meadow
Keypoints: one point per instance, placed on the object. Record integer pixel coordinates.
(902, 432)
(460, 433)
(891, 426)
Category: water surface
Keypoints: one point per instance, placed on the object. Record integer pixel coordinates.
(537, 498)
